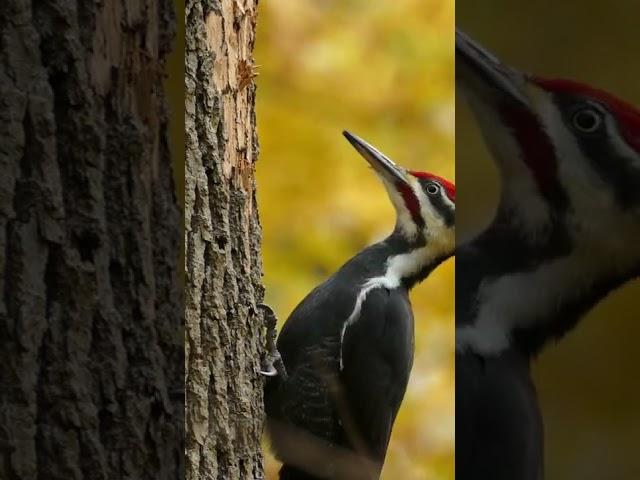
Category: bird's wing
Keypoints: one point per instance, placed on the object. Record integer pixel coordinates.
(304, 398)
(498, 426)
(377, 354)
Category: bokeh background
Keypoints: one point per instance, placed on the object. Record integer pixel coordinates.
(588, 383)
(385, 70)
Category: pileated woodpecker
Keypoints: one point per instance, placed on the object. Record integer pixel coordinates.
(347, 348)
(566, 232)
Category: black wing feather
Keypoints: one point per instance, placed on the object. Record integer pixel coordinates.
(377, 360)
(498, 425)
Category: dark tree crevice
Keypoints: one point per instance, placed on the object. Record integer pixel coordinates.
(90, 239)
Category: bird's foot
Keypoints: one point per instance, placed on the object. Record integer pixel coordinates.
(272, 365)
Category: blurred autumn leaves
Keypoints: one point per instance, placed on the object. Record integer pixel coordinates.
(384, 70)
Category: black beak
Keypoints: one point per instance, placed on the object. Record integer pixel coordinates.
(483, 74)
(383, 165)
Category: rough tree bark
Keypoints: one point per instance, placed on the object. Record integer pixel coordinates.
(91, 312)
(225, 337)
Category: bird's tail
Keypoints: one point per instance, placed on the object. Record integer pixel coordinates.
(287, 472)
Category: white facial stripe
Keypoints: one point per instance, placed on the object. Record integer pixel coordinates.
(435, 226)
(429, 214)
(528, 211)
(447, 200)
(437, 233)
(405, 220)
(573, 170)
(589, 194)
(620, 145)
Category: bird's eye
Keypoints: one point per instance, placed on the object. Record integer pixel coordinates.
(433, 189)
(587, 120)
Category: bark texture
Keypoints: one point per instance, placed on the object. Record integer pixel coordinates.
(225, 334)
(91, 314)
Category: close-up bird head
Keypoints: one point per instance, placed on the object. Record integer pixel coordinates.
(569, 211)
(424, 202)
(567, 153)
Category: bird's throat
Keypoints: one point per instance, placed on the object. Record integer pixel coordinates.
(526, 307)
(413, 262)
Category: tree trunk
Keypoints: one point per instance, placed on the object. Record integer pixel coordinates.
(225, 337)
(91, 346)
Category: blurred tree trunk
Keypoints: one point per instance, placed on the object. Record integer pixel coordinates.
(225, 337)
(91, 347)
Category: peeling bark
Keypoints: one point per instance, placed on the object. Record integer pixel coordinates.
(225, 334)
(91, 346)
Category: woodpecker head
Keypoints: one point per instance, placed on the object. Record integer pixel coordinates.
(568, 154)
(424, 203)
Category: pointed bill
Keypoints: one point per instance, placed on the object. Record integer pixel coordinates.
(484, 75)
(383, 165)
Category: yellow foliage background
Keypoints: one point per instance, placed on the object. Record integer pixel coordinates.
(384, 70)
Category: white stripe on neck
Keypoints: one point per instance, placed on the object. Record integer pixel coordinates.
(521, 299)
(399, 267)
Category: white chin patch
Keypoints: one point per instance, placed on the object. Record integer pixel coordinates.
(520, 195)
(404, 219)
